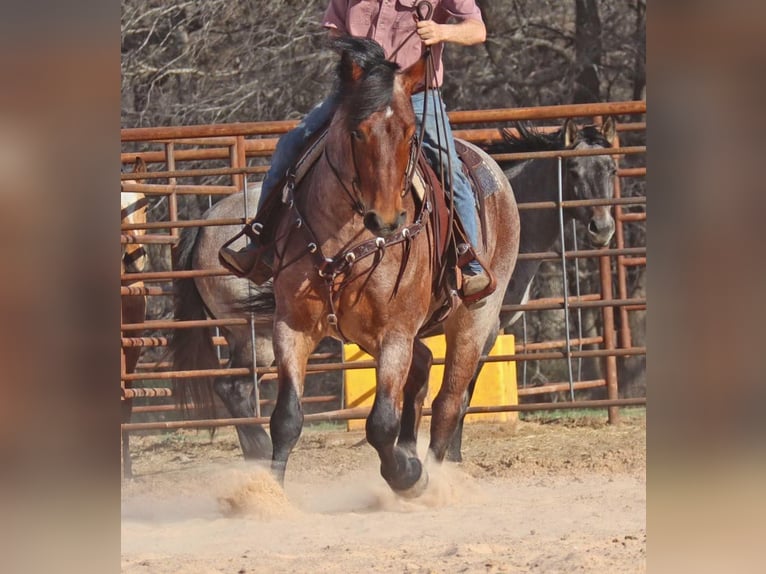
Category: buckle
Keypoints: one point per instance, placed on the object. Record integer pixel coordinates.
(287, 190)
(326, 264)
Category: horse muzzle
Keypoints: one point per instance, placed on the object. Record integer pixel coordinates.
(377, 225)
(600, 230)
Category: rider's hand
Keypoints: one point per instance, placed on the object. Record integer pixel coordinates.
(430, 32)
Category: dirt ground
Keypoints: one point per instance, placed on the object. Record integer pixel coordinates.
(563, 493)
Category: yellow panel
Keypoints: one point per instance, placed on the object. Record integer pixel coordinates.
(359, 383)
(496, 384)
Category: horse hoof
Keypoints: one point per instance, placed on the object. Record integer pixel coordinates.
(416, 489)
(454, 457)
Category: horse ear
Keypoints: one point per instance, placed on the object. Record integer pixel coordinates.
(414, 76)
(570, 130)
(350, 70)
(609, 129)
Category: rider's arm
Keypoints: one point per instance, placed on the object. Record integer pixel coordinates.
(466, 32)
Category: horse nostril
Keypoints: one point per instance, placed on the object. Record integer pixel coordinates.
(372, 221)
(593, 227)
(401, 219)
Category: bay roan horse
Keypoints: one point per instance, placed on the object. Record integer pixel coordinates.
(356, 194)
(537, 180)
(533, 180)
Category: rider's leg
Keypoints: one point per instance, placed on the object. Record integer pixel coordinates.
(290, 145)
(287, 152)
(438, 145)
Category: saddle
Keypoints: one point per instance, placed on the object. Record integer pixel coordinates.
(452, 250)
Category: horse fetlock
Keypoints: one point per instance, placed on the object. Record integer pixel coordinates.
(278, 468)
(382, 426)
(453, 450)
(409, 447)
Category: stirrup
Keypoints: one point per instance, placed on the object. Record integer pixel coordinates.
(478, 299)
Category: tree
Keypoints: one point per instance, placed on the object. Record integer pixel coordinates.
(587, 84)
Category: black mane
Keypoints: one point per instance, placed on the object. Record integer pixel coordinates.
(530, 139)
(374, 89)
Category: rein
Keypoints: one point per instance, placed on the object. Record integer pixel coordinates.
(423, 5)
(354, 197)
(336, 271)
(424, 10)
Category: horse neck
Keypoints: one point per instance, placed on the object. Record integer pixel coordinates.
(321, 199)
(533, 181)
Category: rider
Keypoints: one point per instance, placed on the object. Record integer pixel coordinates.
(392, 23)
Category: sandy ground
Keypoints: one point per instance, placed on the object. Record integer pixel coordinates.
(566, 495)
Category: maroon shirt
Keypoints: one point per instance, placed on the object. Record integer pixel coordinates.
(389, 22)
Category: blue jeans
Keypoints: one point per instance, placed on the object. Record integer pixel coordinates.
(291, 145)
(438, 144)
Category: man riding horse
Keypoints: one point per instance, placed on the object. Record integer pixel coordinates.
(404, 28)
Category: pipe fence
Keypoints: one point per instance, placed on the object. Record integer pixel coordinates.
(189, 162)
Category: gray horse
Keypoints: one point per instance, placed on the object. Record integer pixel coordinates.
(220, 297)
(537, 180)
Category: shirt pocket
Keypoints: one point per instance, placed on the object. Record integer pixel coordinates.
(364, 8)
(405, 9)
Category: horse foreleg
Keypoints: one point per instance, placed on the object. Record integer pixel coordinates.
(454, 449)
(400, 467)
(415, 391)
(291, 349)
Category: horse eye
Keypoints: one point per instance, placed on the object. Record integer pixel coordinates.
(357, 135)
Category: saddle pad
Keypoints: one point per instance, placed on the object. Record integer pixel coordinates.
(419, 185)
(485, 178)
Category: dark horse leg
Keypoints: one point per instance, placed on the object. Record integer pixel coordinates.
(399, 466)
(415, 391)
(454, 449)
(237, 395)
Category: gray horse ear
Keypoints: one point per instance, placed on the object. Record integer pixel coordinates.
(570, 132)
(609, 129)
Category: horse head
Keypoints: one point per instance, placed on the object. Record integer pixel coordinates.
(591, 177)
(133, 207)
(376, 117)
